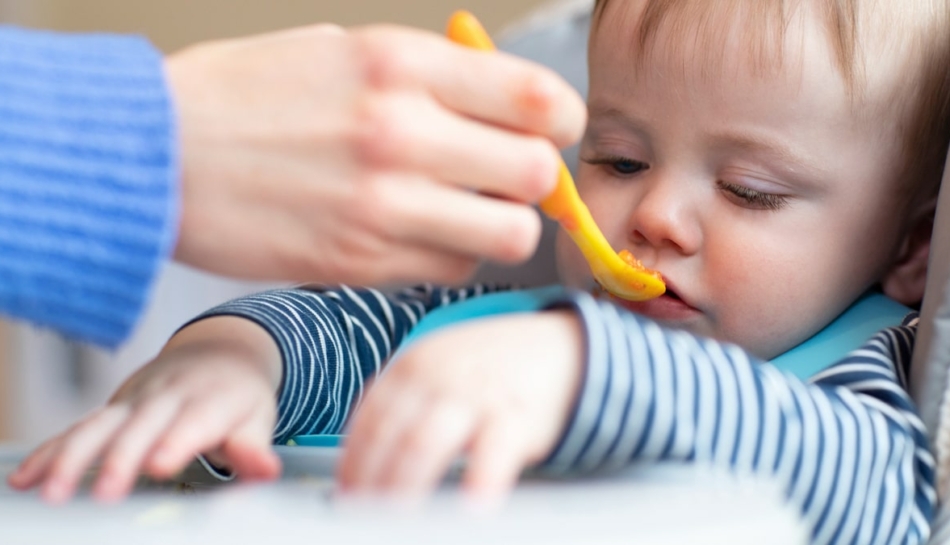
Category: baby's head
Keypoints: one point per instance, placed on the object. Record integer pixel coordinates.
(772, 159)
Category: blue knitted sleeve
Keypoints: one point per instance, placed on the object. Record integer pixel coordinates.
(88, 180)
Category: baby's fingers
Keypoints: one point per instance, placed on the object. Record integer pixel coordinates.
(33, 469)
(74, 452)
(248, 450)
(375, 431)
(206, 424)
(495, 461)
(132, 444)
(427, 449)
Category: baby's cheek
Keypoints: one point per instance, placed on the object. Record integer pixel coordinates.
(761, 304)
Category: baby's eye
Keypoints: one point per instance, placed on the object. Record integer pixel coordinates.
(750, 198)
(618, 166)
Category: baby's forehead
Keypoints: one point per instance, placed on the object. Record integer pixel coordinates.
(867, 47)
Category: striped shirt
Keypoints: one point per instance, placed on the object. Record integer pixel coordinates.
(847, 446)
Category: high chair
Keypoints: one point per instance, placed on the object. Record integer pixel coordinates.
(930, 369)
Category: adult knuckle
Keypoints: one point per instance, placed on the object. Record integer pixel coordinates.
(376, 206)
(384, 63)
(376, 131)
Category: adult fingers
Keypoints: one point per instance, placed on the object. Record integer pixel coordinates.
(494, 87)
(455, 221)
(125, 456)
(413, 133)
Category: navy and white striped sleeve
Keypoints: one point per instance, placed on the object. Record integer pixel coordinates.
(848, 447)
(332, 341)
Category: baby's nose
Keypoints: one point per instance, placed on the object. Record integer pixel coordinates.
(665, 216)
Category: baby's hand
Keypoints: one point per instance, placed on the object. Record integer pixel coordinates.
(210, 389)
(499, 390)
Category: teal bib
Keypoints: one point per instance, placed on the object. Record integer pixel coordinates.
(868, 315)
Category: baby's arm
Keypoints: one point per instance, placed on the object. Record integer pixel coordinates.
(332, 341)
(212, 387)
(849, 447)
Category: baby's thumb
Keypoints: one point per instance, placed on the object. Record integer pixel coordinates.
(249, 452)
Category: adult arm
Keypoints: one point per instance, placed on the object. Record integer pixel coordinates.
(848, 447)
(315, 154)
(88, 180)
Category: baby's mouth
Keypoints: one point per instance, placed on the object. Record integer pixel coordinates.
(600, 291)
(668, 308)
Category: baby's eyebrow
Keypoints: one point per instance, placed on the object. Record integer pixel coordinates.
(787, 157)
(613, 113)
(599, 114)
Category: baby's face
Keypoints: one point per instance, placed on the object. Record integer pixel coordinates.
(766, 201)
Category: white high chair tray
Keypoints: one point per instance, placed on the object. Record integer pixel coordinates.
(645, 505)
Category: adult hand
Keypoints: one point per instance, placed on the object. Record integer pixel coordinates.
(370, 155)
(503, 403)
(210, 390)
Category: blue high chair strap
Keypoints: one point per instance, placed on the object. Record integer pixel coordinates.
(870, 314)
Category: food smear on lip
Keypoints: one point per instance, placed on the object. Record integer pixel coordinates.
(624, 276)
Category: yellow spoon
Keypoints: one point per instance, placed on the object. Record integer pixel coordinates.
(620, 274)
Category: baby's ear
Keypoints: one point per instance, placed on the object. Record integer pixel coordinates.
(906, 280)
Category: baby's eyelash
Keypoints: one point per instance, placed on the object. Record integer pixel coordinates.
(620, 166)
(752, 198)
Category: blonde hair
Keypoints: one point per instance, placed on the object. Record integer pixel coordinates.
(920, 29)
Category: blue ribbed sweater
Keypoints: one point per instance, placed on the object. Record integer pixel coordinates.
(88, 180)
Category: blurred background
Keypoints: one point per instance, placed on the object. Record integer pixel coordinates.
(171, 24)
(47, 383)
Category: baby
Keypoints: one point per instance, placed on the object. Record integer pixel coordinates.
(776, 161)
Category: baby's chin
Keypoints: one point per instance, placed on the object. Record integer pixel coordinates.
(698, 324)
